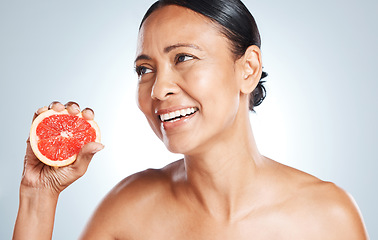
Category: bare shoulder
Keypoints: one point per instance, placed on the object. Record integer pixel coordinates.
(334, 209)
(322, 207)
(130, 203)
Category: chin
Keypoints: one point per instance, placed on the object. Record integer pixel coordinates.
(174, 148)
(178, 147)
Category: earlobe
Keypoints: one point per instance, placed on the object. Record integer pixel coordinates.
(251, 70)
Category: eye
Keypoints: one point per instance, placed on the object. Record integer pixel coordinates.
(141, 70)
(183, 58)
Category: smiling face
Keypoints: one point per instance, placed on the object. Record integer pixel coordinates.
(189, 87)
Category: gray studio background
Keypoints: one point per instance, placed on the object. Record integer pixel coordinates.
(320, 114)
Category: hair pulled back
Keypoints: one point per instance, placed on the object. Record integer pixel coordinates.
(237, 25)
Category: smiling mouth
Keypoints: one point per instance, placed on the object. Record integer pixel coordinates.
(177, 115)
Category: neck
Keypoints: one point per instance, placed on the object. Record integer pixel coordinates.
(222, 176)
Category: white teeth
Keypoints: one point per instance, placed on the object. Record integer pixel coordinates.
(178, 113)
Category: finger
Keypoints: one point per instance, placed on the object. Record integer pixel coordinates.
(85, 156)
(88, 114)
(73, 108)
(30, 157)
(39, 111)
(57, 106)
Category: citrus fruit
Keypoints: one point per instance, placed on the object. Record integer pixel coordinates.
(57, 137)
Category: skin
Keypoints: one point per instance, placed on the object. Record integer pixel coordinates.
(223, 188)
(41, 184)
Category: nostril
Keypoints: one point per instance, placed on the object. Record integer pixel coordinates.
(161, 96)
(163, 88)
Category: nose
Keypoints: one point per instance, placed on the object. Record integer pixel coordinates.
(164, 86)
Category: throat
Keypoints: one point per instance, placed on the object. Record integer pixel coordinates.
(225, 190)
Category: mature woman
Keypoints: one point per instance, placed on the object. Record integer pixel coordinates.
(199, 67)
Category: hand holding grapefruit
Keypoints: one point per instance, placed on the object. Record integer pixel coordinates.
(56, 137)
(61, 145)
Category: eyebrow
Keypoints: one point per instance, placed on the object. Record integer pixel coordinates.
(168, 49)
(142, 57)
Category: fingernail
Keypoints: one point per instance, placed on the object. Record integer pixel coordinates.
(74, 106)
(53, 103)
(75, 109)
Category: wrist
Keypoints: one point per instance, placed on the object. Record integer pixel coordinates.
(35, 194)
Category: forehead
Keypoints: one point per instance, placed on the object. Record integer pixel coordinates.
(174, 24)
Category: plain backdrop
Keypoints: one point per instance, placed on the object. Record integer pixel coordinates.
(320, 114)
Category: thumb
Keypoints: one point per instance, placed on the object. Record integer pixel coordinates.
(90, 149)
(85, 156)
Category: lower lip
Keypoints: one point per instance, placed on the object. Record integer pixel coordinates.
(170, 125)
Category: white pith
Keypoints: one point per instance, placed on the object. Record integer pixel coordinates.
(178, 113)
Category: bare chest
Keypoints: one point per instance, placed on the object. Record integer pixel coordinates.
(262, 228)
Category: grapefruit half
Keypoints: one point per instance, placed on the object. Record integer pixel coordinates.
(57, 137)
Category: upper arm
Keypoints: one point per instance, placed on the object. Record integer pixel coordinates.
(348, 219)
(101, 224)
(122, 213)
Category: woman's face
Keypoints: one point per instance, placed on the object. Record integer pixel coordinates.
(188, 79)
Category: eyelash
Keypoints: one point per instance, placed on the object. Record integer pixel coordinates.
(183, 55)
(139, 69)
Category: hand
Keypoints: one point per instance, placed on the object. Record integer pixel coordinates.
(39, 176)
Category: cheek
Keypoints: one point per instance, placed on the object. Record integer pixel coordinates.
(145, 102)
(145, 105)
(142, 99)
(213, 85)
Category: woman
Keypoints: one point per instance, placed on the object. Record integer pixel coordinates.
(199, 67)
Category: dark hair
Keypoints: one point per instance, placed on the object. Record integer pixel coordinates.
(237, 25)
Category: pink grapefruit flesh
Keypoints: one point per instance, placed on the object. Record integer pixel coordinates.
(57, 137)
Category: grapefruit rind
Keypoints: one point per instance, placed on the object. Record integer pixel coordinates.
(34, 138)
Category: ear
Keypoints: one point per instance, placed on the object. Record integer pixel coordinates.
(251, 69)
